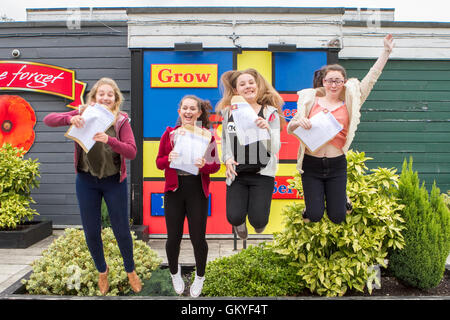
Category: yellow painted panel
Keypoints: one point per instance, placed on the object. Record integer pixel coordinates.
(259, 60)
(149, 160)
(275, 218)
(286, 169)
(220, 173)
(151, 171)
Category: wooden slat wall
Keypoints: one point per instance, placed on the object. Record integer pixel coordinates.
(94, 51)
(407, 114)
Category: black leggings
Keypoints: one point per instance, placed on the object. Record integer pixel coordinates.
(251, 194)
(325, 179)
(187, 201)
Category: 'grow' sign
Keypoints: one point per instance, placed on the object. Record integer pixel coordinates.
(184, 76)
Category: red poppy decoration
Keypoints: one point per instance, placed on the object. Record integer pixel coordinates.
(17, 119)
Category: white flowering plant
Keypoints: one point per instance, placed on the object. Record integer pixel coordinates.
(66, 267)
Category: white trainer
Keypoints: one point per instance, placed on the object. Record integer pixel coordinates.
(177, 281)
(197, 286)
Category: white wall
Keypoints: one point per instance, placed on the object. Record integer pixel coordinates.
(357, 39)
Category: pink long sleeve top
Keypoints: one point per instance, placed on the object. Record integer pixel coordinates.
(123, 144)
(211, 166)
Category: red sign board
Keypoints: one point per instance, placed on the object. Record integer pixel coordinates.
(38, 77)
(281, 189)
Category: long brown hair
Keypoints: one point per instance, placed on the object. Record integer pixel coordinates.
(203, 105)
(267, 95)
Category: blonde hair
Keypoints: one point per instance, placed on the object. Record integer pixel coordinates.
(117, 94)
(267, 95)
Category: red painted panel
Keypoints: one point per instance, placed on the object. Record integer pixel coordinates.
(217, 223)
(281, 190)
(289, 146)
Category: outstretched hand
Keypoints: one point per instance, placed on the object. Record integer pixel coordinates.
(388, 43)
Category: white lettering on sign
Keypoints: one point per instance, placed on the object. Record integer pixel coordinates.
(36, 80)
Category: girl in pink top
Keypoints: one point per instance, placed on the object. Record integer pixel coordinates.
(324, 172)
(341, 115)
(186, 195)
(101, 173)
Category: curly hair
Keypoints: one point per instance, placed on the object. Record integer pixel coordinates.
(203, 105)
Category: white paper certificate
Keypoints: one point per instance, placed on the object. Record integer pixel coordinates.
(244, 119)
(97, 118)
(190, 145)
(324, 128)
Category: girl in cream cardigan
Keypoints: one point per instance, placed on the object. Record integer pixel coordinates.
(250, 169)
(324, 172)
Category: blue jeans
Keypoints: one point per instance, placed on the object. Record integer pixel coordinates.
(90, 191)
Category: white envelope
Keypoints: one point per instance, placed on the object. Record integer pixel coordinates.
(324, 128)
(97, 118)
(244, 119)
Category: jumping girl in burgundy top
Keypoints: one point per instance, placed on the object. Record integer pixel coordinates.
(101, 173)
(186, 195)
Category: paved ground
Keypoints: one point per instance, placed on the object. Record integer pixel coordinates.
(15, 263)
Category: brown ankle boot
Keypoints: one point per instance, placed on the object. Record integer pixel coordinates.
(134, 281)
(103, 284)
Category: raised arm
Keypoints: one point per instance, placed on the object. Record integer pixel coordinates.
(372, 76)
(384, 56)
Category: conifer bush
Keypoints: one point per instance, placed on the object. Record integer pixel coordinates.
(67, 268)
(333, 258)
(421, 263)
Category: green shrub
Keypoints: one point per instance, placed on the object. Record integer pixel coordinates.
(446, 197)
(422, 262)
(106, 222)
(17, 177)
(159, 284)
(255, 271)
(67, 268)
(332, 258)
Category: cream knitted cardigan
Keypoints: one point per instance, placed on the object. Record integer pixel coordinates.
(354, 95)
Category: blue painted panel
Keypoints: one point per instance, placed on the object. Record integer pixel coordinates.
(157, 205)
(295, 70)
(161, 104)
